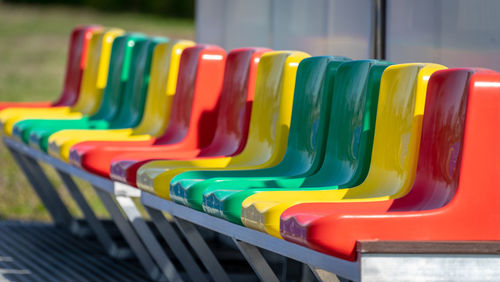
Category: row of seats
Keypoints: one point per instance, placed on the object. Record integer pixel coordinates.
(322, 151)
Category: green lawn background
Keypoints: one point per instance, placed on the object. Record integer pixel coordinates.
(33, 49)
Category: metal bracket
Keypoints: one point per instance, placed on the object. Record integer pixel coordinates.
(44, 189)
(132, 239)
(323, 275)
(347, 269)
(124, 190)
(94, 223)
(201, 248)
(256, 261)
(154, 247)
(176, 245)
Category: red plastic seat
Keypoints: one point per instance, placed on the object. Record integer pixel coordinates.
(229, 135)
(457, 187)
(76, 62)
(199, 82)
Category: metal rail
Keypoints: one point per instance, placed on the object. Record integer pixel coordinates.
(377, 261)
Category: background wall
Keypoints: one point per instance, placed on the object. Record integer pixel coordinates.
(452, 32)
(456, 33)
(316, 26)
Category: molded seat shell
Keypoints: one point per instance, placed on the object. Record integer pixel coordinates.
(164, 71)
(75, 67)
(353, 85)
(93, 83)
(117, 80)
(194, 108)
(143, 127)
(130, 108)
(266, 141)
(393, 159)
(232, 120)
(455, 188)
(238, 82)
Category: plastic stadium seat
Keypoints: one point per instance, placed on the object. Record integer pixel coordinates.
(93, 83)
(76, 64)
(311, 103)
(164, 71)
(233, 116)
(130, 109)
(393, 161)
(117, 78)
(119, 81)
(74, 68)
(456, 187)
(268, 131)
(137, 117)
(232, 121)
(356, 84)
(194, 106)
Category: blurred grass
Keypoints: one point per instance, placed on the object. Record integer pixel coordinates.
(33, 48)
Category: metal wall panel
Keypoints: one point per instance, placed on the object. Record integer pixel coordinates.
(451, 32)
(210, 21)
(456, 33)
(333, 27)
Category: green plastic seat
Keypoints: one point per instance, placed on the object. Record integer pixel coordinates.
(267, 133)
(401, 103)
(310, 109)
(124, 96)
(357, 80)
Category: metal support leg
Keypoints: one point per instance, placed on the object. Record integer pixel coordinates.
(256, 261)
(201, 248)
(175, 243)
(44, 189)
(154, 247)
(132, 239)
(323, 275)
(94, 223)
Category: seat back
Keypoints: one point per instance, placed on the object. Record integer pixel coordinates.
(118, 70)
(310, 113)
(397, 131)
(479, 179)
(271, 108)
(94, 76)
(235, 101)
(75, 64)
(161, 90)
(352, 121)
(441, 145)
(132, 99)
(194, 106)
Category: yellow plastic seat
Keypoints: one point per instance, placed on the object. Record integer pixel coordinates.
(394, 154)
(163, 81)
(93, 82)
(268, 131)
